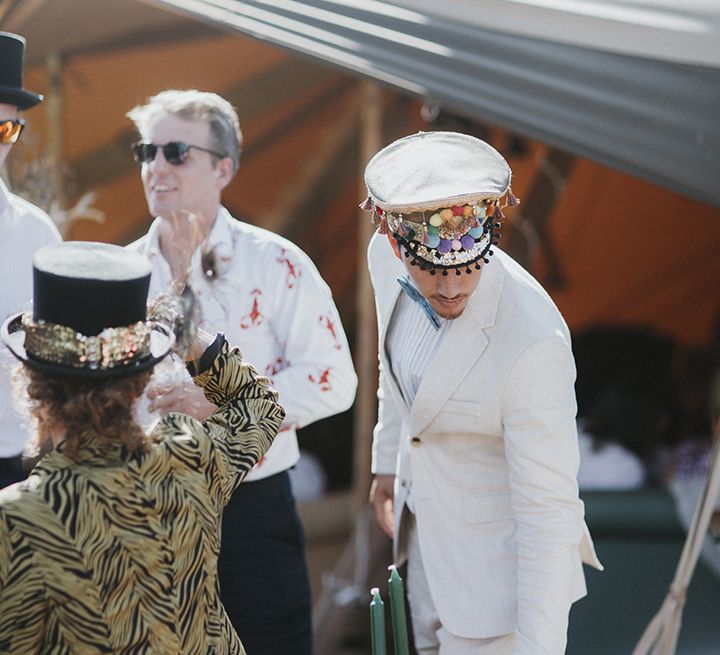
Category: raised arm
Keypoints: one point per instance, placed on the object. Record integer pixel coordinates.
(241, 429)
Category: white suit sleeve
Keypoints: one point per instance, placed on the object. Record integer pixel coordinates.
(542, 452)
(386, 435)
(319, 379)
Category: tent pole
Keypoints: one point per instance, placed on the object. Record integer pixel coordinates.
(365, 326)
(342, 604)
(53, 108)
(661, 635)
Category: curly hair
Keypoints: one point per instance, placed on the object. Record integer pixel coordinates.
(76, 406)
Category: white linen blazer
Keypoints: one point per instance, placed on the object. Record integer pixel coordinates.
(490, 446)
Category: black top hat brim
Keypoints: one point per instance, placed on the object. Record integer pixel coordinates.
(21, 98)
(13, 334)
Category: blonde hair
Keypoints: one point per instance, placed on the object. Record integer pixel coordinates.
(194, 105)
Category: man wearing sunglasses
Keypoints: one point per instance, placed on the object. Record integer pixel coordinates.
(267, 296)
(23, 229)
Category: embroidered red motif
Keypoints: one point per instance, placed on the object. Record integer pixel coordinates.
(331, 328)
(279, 364)
(255, 317)
(293, 270)
(323, 381)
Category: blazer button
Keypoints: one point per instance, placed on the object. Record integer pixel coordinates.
(415, 441)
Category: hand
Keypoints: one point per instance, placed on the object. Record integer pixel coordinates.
(173, 395)
(179, 237)
(382, 493)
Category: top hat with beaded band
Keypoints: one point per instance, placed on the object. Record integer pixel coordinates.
(441, 196)
(89, 317)
(12, 55)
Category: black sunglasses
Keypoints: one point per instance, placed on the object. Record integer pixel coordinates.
(10, 130)
(175, 152)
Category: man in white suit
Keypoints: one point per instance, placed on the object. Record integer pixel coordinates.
(475, 453)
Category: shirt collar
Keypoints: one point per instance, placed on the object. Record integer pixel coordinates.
(218, 252)
(91, 451)
(4, 196)
(220, 237)
(407, 286)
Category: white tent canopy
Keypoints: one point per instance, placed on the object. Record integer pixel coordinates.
(686, 32)
(633, 84)
(642, 98)
(80, 27)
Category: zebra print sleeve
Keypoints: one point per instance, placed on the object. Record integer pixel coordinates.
(240, 431)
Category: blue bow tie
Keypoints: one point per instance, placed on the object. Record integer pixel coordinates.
(413, 293)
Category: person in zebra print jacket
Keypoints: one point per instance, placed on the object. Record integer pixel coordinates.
(111, 544)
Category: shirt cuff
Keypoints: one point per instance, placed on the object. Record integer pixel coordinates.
(205, 361)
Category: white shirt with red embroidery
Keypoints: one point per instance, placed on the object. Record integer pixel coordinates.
(268, 298)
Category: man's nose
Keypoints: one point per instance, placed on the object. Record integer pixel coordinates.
(159, 162)
(449, 285)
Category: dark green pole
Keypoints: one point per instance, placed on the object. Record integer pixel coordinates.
(397, 606)
(377, 623)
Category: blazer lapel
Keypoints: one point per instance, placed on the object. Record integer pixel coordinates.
(460, 349)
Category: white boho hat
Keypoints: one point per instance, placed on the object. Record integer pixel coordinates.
(441, 195)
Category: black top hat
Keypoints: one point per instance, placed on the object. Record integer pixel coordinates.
(12, 53)
(89, 314)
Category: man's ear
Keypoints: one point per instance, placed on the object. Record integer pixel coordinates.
(394, 245)
(224, 172)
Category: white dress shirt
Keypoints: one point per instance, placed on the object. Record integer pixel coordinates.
(270, 301)
(23, 229)
(411, 343)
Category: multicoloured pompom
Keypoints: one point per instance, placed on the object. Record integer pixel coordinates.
(452, 237)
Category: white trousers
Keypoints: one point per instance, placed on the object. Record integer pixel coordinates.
(431, 638)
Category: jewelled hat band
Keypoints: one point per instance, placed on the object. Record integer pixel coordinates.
(450, 238)
(429, 259)
(59, 344)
